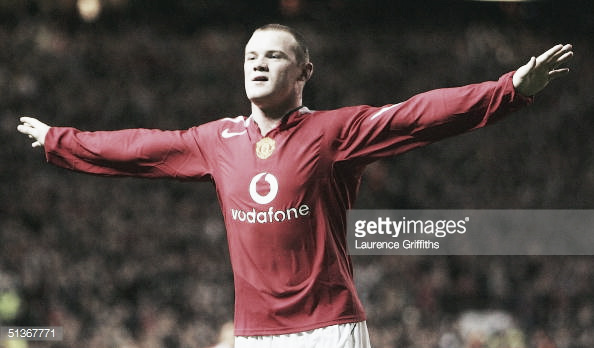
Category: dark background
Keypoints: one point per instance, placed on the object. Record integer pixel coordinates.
(143, 263)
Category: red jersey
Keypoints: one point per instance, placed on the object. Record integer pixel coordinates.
(284, 197)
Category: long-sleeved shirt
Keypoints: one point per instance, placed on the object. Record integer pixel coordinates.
(284, 197)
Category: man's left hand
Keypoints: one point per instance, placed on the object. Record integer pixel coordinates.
(531, 78)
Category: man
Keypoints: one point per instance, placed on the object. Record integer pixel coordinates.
(285, 177)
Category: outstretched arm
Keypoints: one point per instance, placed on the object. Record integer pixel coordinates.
(434, 115)
(35, 129)
(129, 152)
(531, 78)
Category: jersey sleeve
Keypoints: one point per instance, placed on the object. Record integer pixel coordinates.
(370, 133)
(134, 152)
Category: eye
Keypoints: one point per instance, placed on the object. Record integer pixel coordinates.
(276, 55)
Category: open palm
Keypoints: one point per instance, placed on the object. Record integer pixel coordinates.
(532, 77)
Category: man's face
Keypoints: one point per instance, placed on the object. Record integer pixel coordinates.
(272, 73)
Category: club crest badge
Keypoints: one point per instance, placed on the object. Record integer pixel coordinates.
(265, 147)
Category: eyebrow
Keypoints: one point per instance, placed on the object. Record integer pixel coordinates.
(268, 52)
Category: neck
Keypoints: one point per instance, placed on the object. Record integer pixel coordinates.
(268, 119)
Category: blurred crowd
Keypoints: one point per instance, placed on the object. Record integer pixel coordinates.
(135, 263)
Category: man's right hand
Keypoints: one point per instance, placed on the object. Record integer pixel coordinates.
(35, 129)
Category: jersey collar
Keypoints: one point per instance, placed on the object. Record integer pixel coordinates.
(291, 119)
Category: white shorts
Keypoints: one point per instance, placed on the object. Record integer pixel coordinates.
(351, 335)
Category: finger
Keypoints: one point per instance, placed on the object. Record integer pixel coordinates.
(561, 61)
(26, 119)
(558, 73)
(557, 53)
(30, 121)
(531, 64)
(36, 144)
(565, 57)
(563, 54)
(552, 67)
(25, 129)
(551, 52)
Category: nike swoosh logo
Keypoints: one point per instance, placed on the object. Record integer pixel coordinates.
(226, 134)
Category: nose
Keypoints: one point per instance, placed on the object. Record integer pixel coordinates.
(260, 65)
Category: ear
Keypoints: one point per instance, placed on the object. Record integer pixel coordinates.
(307, 72)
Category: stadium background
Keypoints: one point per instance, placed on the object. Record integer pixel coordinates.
(133, 263)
